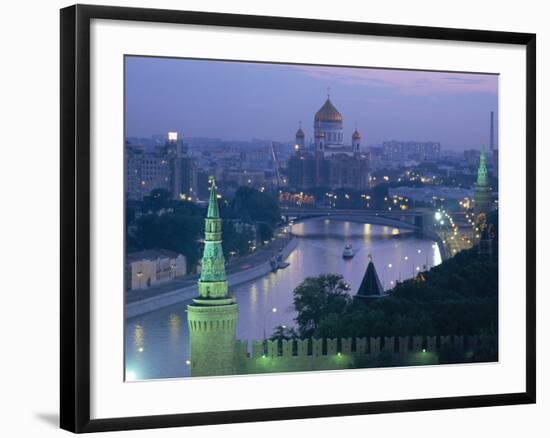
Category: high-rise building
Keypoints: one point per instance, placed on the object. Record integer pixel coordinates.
(212, 316)
(168, 167)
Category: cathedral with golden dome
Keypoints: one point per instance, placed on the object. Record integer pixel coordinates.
(326, 161)
(328, 132)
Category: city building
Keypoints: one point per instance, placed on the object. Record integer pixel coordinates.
(301, 170)
(471, 157)
(246, 178)
(168, 167)
(403, 151)
(438, 196)
(328, 161)
(152, 267)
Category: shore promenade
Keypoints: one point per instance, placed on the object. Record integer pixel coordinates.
(241, 270)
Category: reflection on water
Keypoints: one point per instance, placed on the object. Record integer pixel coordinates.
(157, 344)
(139, 338)
(175, 327)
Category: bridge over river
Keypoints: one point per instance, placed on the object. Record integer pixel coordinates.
(420, 220)
(416, 220)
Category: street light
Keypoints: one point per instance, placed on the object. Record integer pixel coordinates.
(404, 259)
(273, 310)
(389, 266)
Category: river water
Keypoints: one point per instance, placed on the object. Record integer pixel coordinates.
(157, 343)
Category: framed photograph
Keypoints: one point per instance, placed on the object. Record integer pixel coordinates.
(270, 218)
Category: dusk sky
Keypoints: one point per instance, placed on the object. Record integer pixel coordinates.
(241, 101)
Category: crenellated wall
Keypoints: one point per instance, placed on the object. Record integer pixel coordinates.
(332, 354)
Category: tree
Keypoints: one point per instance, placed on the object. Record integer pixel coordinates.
(251, 205)
(378, 194)
(265, 232)
(179, 231)
(156, 200)
(235, 241)
(318, 297)
(282, 332)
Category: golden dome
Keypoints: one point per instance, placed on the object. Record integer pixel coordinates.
(300, 133)
(328, 113)
(355, 135)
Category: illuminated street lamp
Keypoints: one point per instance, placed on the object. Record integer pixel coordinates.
(273, 310)
(389, 266)
(404, 259)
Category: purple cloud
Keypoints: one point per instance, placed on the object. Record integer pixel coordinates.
(407, 82)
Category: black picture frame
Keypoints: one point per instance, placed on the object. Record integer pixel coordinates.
(75, 217)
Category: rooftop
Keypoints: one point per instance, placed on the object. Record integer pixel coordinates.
(370, 285)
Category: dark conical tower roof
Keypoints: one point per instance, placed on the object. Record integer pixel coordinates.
(370, 285)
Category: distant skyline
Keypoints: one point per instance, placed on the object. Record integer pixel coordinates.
(244, 100)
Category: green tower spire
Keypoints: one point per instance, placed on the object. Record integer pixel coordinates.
(482, 194)
(213, 210)
(213, 281)
(482, 169)
(212, 316)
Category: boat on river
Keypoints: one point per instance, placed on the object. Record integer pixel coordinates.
(278, 262)
(348, 252)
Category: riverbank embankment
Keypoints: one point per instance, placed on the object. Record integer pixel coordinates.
(189, 291)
